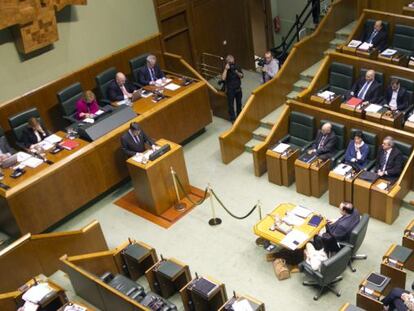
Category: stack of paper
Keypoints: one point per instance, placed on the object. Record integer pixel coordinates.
(53, 139)
(88, 120)
(327, 95)
(365, 46)
(293, 239)
(388, 52)
(32, 162)
(293, 220)
(99, 112)
(36, 293)
(354, 43)
(382, 185)
(342, 169)
(22, 156)
(242, 305)
(373, 108)
(301, 211)
(172, 87)
(281, 148)
(45, 145)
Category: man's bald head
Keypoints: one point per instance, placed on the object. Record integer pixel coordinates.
(370, 75)
(120, 78)
(378, 25)
(326, 128)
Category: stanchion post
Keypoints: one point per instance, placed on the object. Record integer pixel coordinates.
(260, 241)
(179, 206)
(214, 221)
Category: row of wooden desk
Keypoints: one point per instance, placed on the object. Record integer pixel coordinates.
(45, 195)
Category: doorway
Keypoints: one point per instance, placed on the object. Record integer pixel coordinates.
(261, 25)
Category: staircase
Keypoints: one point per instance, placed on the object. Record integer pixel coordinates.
(261, 133)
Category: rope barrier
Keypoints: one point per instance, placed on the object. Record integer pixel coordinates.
(180, 185)
(230, 213)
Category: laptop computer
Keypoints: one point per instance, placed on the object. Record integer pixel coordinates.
(9, 162)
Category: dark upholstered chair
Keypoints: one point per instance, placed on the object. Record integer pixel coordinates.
(67, 99)
(371, 140)
(136, 64)
(340, 132)
(126, 286)
(379, 76)
(409, 86)
(403, 40)
(301, 131)
(341, 78)
(18, 123)
(405, 149)
(330, 272)
(356, 238)
(102, 82)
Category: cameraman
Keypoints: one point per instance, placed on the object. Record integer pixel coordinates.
(270, 67)
(232, 75)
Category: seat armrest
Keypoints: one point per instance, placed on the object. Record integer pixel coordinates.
(285, 139)
(71, 119)
(337, 155)
(307, 146)
(107, 277)
(343, 244)
(370, 165)
(305, 267)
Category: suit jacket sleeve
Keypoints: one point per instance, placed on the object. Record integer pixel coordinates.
(125, 149)
(377, 162)
(113, 94)
(5, 147)
(329, 146)
(160, 74)
(397, 166)
(316, 141)
(349, 153)
(143, 76)
(130, 87)
(404, 100)
(364, 154)
(147, 139)
(338, 231)
(26, 138)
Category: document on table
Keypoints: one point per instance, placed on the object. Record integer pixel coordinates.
(36, 293)
(121, 102)
(411, 118)
(293, 239)
(280, 148)
(29, 306)
(242, 305)
(365, 46)
(74, 307)
(373, 108)
(172, 87)
(301, 211)
(388, 52)
(88, 120)
(293, 220)
(382, 185)
(53, 139)
(327, 95)
(342, 169)
(45, 145)
(22, 156)
(354, 43)
(32, 162)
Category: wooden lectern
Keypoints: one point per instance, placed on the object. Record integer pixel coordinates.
(153, 183)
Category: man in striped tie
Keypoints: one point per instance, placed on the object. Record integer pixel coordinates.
(367, 88)
(151, 72)
(376, 35)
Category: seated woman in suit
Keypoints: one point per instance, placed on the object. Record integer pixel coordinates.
(87, 106)
(34, 133)
(357, 151)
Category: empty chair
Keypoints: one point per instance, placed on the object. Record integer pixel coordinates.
(341, 78)
(330, 272)
(356, 238)
(19, 122)
(405, 149)
(339, 130)
(403, 40)
(136, 64)
(102, 82)
(68, 98)
(301, 131)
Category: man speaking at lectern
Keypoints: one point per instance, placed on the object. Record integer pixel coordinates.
(134, 140)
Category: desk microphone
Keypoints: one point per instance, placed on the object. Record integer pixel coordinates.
(39, 156)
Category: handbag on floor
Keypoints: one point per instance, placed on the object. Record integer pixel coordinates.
(281, 270)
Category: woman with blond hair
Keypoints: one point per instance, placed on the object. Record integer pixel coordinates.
(87, 106)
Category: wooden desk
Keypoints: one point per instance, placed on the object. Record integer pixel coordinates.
(371, 302)
(177, 119)
(255, 304)
(348, 50)
(340, 188)
(319, 171)
(153, 183)
(332, 104)
(409, 126)
(408, 238)
(362, 190)
(411, 64)
(347, 109)
(281, 168)
(371, 54)
(391, 119)
(397, 59)
(262, 228)
(349, 307)
(375, 116)
(396, 270)
(379, 207)
(303, 177)
(408, 11)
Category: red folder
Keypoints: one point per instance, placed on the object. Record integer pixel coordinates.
(354, 101)
(69, 144)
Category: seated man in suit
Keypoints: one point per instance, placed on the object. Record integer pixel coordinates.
(134, 140)
(5, 150)
(120, 88)
(399, 299)
(338, 230)
(396, 97)
(325, 142)
(151, 72)
(34, 133)
(366, 88)
(357, 151)
(389, 161)
(377, 36)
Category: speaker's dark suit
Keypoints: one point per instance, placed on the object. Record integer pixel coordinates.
(379, 41)
(394, 165)
(114, 92)
(130, 146)
(29, 137)
(402, 98)
(373, 94)
(144, 75)
(327, 149)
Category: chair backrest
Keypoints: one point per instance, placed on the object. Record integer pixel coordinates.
(379, 76)
(405, 149)
(302, 126)
(18, 122)
(371, 140)
(336, 265)
(341, 78)
(136, 64)
(403, 39)
(339, 130)
(357, 235)
(68, 97)
(408, 85)
(103, 80)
